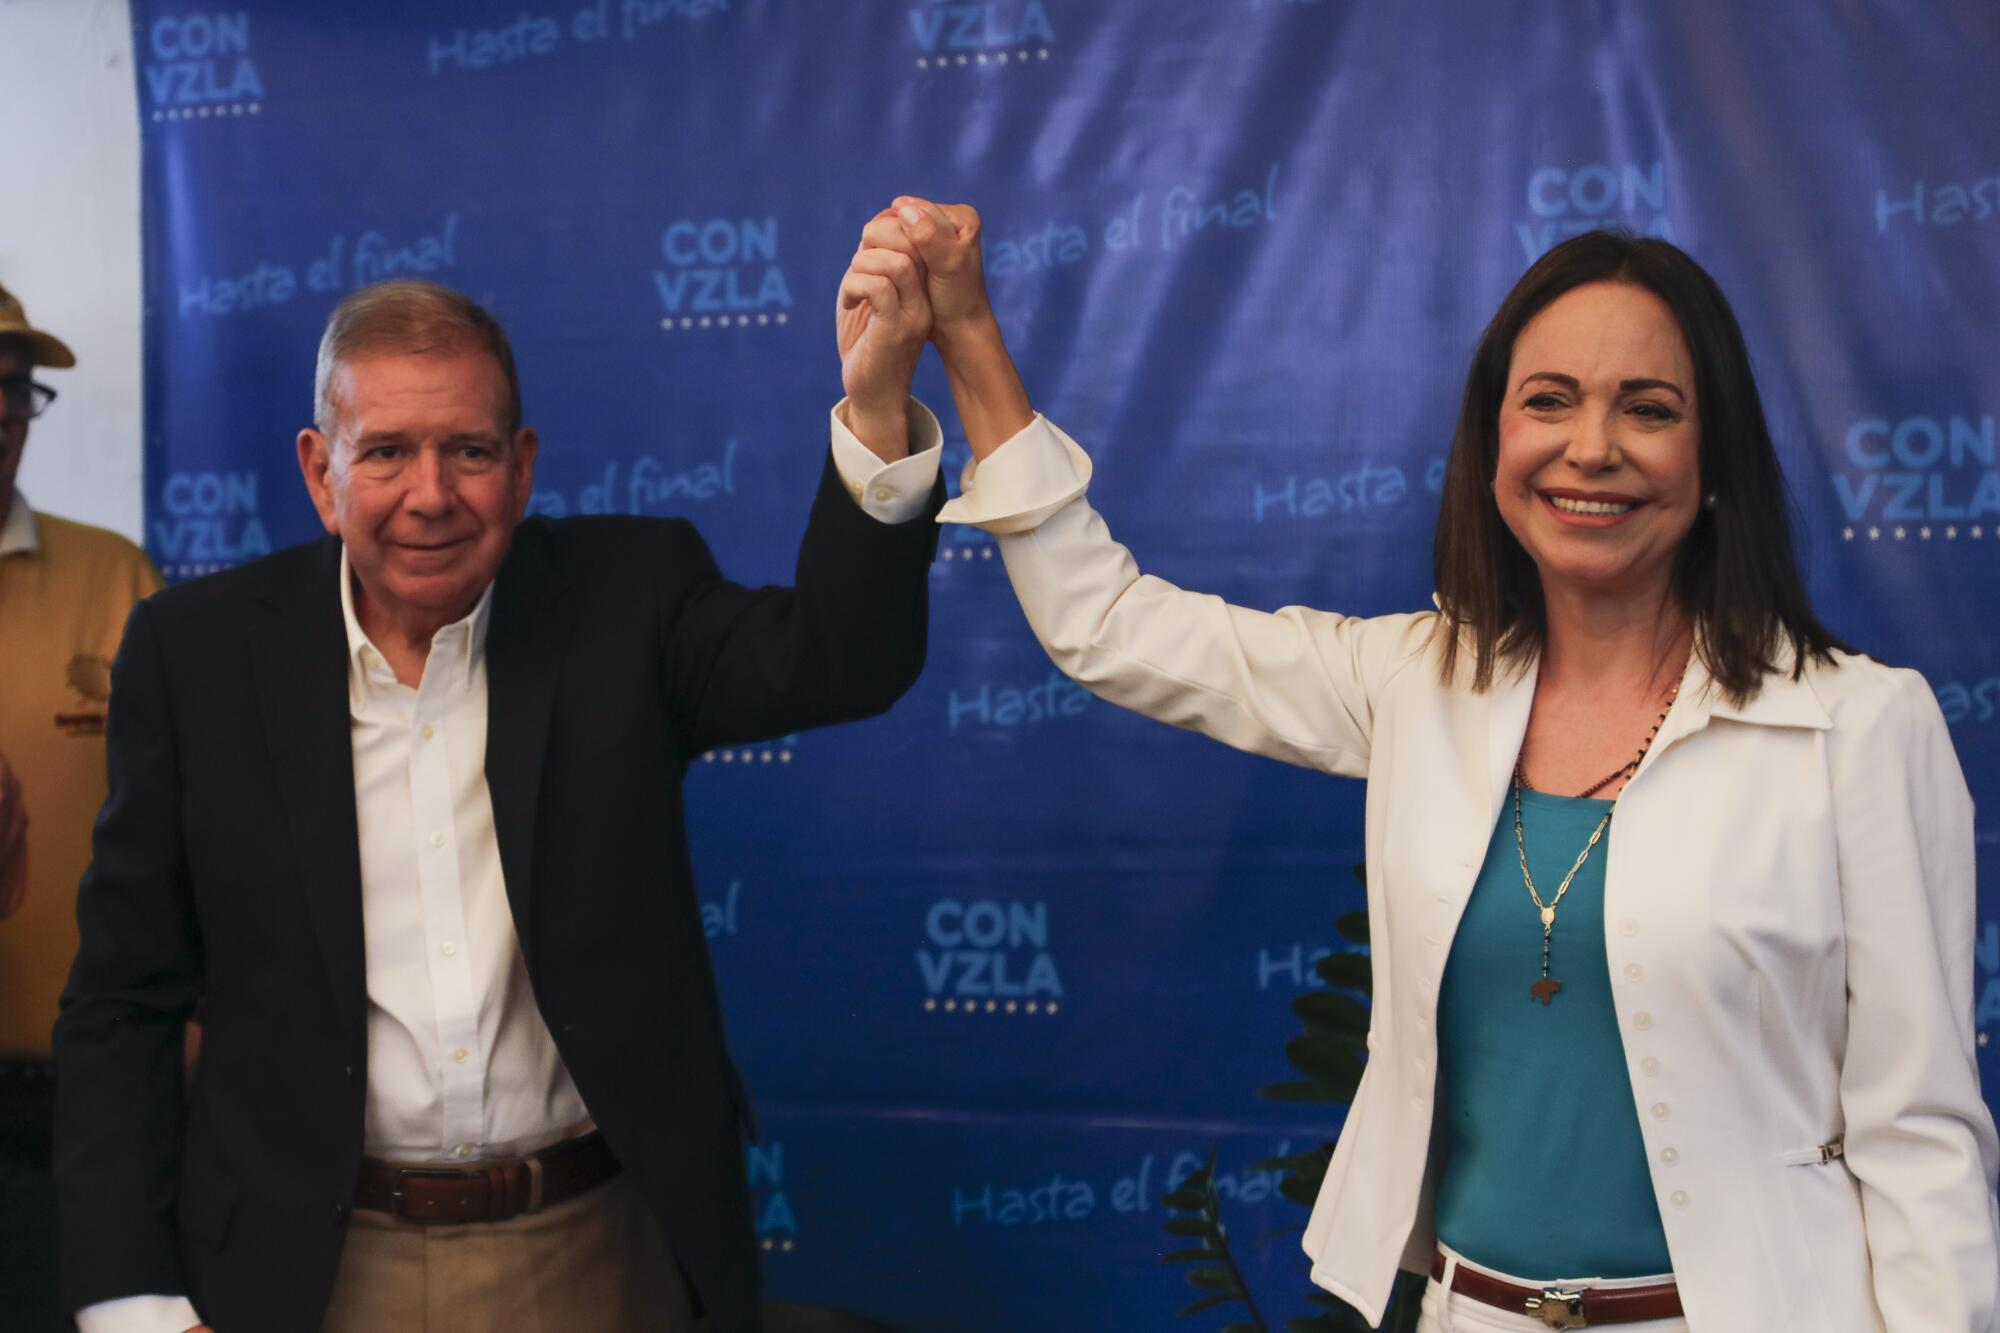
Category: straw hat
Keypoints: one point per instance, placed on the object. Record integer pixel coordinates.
(48, 350)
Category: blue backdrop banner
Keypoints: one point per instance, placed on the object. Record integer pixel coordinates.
(1008, 964)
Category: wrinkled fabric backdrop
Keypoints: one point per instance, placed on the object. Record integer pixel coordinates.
(1005, 965)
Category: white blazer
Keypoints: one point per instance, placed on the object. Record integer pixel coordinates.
(1788, 913)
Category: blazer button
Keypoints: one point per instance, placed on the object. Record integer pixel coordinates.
(340, 1214)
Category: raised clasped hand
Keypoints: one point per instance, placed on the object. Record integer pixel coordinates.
(880, 323)
(944, 240)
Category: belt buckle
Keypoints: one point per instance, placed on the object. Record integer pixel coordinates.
(1557, 1308)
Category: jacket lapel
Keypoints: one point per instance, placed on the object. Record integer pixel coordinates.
(302, 699)
(524, 645)
(1507, 706)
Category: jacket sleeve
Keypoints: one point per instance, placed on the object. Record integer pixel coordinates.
(1296, 684)
(843, 642)
(136, 978)
(1919, 1139)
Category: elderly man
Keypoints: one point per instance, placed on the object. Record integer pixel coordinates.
(404, 807)
(65, 589)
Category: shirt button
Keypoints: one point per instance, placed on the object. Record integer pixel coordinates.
(1659, 1110)
(340, 1214)
(447, 948)
(425, 731)
(464, 1150)
(1680, 1198)
(1628, 927)
(856, 487)
(883, 495)
(1670, 1155)
(461, 1055)
(1634, 971)
(1642, 1019)
(1650, 1065)
(437, 839)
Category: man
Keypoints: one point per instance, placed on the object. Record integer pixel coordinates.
(65, 589)
(403, 808)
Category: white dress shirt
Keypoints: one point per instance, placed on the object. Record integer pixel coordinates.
(1788, 908)
(461, 1066)
(18, 533)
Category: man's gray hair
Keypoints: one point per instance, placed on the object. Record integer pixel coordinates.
(409, 317)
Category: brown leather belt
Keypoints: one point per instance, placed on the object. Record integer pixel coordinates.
(1566, 1307)
(490, 1191)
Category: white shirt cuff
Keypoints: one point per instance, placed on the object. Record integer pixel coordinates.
(1035, 473)
(889, 492)
(138, 1314)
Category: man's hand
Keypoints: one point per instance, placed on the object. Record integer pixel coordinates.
(880, 324)
(943, 239)
(13, 841)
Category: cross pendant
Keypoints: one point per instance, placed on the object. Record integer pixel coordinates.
(1544, 990)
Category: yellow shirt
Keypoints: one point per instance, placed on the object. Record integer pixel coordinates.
(65, 590)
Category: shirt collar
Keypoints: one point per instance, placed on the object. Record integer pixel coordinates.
(1782, 699)
(457, 647)
(18, 534)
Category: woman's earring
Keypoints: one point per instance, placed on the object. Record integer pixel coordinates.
(1708, 502)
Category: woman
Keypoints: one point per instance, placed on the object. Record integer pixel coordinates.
(1708, 1065)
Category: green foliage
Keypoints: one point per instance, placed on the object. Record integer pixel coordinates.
(1329, 1057)
(1197, 1213)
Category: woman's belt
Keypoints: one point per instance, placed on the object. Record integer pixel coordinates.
(1565, 1307)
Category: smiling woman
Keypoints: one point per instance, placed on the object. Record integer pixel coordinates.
(1619, 357)
(1707, 1063)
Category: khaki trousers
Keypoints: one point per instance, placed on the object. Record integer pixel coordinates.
(594, 1264)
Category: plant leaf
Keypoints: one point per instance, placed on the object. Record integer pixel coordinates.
(1194, 1226)
(1185, 1198)
(1353, 926)
(1208, 1303)
(1351, 970)
(1320, 1056)
(1318, 1093)
(1185, 1256)
(1215, 1279)
(1335, 1013)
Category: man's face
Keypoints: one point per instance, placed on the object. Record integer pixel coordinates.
(420, 480)
(14, 363)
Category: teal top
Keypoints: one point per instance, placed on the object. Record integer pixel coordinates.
(1545, 1174)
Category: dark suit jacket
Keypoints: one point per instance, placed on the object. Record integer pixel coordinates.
(226, 870)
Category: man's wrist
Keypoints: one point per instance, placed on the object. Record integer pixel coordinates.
(883, 428)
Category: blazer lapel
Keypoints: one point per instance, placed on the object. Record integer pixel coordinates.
(524, 646)
(302, 699)
(1507, 705)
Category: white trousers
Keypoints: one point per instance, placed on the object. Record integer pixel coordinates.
(1455, 1312)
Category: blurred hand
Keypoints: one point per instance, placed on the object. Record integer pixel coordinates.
(880, 324)
(13, 841)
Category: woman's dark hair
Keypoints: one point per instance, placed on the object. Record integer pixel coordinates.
(1735, 574)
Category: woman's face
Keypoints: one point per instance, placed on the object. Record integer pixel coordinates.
(1598, 474)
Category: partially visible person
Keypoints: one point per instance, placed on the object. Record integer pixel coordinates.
(1705, 1066)
(65, 589)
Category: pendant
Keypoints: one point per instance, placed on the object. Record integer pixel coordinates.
(1548, 917)
(1545, 989)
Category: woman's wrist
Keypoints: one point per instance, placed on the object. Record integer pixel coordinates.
(992, 402)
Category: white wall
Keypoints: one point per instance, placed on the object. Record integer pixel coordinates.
(69, 245)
